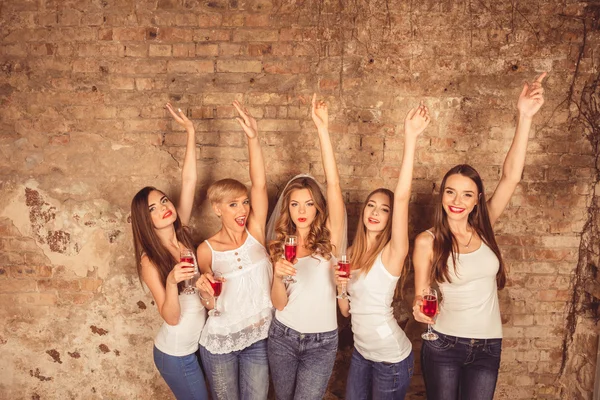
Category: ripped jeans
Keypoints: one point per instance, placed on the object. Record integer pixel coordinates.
(239, 375)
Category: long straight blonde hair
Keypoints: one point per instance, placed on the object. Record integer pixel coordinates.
(361, 256)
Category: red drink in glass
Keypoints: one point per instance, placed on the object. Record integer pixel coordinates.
(217, 286)
(187, 260)
(290, 252)
(344, 267)
(430, 305)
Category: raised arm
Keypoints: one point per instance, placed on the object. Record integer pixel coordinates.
(529, 103)
(395, 253)
(189, 173)
(257, 219)
(335, 201)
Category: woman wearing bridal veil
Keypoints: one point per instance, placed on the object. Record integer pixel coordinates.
(303, 336)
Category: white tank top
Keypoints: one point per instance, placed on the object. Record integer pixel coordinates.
(245, 301)
(470, 307)
(311, 306)
(182, 339)
(377, 335)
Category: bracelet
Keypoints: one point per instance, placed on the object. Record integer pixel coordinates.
(203, 299)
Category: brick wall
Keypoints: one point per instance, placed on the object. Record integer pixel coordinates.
(82, 89)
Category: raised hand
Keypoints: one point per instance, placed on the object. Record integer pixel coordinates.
(319, 113)
(180, 117)
(247, 121)
(532, 97)
(416, 121)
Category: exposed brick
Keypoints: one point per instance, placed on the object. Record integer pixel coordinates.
(190, 67)
(238, 66)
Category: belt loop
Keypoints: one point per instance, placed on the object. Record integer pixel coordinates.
(318, 337)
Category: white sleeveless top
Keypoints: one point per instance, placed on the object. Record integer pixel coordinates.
(377, 335)
(182, 339)
(470, 307)
(245, 300)
(311, 306)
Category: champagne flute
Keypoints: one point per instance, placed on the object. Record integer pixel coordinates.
(217, 286)
(291, 247)
(187, 255)
(429, 308)
(344, 265)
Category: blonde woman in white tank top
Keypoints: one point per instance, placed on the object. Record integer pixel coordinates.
(303, 336)
(382, 361)
(461, 255)
(233, 345)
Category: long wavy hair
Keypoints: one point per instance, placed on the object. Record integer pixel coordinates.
(146, 241)
(318, 240)
(362, 257)
(445, 244)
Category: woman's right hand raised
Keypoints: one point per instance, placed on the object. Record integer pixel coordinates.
(180, 118)
(180, 272)
(284, 268)
(416, 121)
(418, 312)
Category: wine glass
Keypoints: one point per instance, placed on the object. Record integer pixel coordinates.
(217, 286)
(429, 308)
(344, 265)
(187, 255)
(291, 246)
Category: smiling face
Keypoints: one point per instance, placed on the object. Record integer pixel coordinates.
(302, 208)
(162, 211)
(234, 212)
(460, 196)
(376, 213)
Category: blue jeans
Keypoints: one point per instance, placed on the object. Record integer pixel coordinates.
(242, 374)
(182, 374)
(460, 368)
(378, 380)
(301, 363)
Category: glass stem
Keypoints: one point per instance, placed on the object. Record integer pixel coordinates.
(344, 290)
(429, 329)
(216, 298)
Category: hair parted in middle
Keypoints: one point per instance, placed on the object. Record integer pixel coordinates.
(225, 189)
(319, 237)
(445, 244)
(360, 256)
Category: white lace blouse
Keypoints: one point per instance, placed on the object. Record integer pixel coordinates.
(245, 300)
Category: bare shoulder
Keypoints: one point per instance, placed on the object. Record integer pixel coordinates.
(203, 250)
(424, 241)
(148, 270)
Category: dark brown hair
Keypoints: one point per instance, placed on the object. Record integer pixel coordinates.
(319, 237)
(146, 241)
(446, 245)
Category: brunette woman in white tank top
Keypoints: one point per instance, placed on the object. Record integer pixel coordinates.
(233, 345)
(461, 255)
(159, 233)
(303, 336)
(382, 361)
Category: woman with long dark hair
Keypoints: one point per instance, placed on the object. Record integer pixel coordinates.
(461, 358)
(303, 336)
(382, 360)
(159, 235)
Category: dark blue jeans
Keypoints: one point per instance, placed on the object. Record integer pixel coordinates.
(460, 368)
(182, 374)
(242, 374)
(378, 380)
(301, 363)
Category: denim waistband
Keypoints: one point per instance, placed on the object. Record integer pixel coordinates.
(310, 336)
(468, 341)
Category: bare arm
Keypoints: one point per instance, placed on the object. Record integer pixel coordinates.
(529, 103)
(204, 258)
(166, 298)
(395, 253)
(422, 261)
(189, 173)
(279, 296)
(335, 200)
(258, 191)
